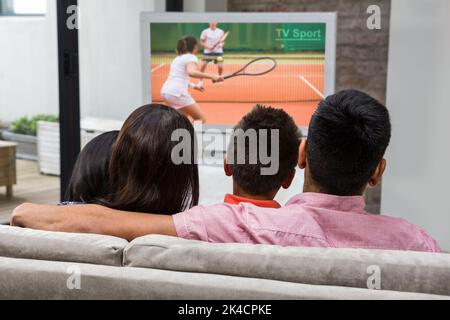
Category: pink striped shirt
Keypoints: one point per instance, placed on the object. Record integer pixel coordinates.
(309, 220)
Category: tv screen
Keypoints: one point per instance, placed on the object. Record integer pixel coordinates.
(289, 59)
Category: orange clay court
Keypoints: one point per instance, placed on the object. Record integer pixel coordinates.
(296, 88)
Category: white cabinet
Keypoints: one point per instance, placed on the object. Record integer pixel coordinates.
(48, 140)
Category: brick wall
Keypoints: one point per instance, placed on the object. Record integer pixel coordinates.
(362, 54)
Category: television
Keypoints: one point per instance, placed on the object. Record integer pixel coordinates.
(303, 45)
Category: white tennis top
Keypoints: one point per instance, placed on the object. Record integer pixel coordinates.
(177, 84)
(211, 37)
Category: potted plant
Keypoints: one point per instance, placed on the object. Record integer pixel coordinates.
(23, 131)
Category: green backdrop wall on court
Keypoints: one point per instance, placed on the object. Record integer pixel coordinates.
(246, 37)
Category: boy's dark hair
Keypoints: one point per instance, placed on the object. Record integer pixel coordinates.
(90, 178)
(248, 176)
(186, 45)
(347, 138)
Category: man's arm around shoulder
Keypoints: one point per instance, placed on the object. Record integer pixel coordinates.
(92, 219)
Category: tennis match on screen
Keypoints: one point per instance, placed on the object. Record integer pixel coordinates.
(278, 64)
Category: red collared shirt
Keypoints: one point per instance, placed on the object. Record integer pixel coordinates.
(232, 199)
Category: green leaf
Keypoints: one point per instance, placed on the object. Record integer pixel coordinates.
(28, 126)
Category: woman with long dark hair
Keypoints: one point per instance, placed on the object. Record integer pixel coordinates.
(133, 170)
(185, 66)
(90, 177)
(143, 176)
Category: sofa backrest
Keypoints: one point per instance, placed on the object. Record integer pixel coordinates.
(59, 246)
(374, 269)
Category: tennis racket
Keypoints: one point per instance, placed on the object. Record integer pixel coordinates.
(256, 67)
(224, 37)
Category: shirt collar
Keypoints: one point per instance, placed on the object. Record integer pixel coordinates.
(355, 204)
(232, 199)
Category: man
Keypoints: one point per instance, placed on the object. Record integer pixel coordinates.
(347, 139)
(212, 41)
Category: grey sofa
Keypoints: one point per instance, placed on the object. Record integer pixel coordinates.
(51, 265)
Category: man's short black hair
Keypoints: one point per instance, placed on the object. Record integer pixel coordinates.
(347, 138)
(248, 176)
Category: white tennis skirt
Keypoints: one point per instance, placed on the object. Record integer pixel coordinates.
(178, 102)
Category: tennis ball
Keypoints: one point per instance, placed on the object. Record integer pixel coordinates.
(219, 59)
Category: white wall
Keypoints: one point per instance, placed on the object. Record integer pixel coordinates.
(205, 5)
(28, 65)
(216, 5)
(110, 53)
(194, 5)
(110, 60)
(110, 56)
(416, 185)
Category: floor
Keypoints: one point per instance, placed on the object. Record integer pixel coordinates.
(36, 188)
(31, 187)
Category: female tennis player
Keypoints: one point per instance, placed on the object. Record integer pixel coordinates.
(175, 90)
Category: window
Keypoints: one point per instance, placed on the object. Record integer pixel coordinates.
(23, 7)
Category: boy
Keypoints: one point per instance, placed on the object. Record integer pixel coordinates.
(250, 184)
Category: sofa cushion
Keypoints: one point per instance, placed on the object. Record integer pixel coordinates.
(361, 268)
(59, 246)
(33, 279)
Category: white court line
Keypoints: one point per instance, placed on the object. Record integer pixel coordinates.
(158, 67)
(312, 86)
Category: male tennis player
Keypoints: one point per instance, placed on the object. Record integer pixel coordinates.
(213, 41)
